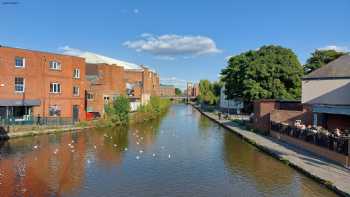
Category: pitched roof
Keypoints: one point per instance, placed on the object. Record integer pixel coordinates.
(93, 58)
(339, 68)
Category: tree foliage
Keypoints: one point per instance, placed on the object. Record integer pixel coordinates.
(272, 72)
(320, 58)
(206, 93)
(118, 111)
(178, 92)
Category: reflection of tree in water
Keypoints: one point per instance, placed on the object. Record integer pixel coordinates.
(145, 133)
(243, 159)
(205, 125)
(270, 176)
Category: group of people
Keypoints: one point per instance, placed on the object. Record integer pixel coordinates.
(334, 139)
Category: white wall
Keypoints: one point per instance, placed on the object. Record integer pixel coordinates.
(231, 104)
(329, 91)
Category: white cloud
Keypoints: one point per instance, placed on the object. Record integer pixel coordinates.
(171, 45)
(136, 11)
(336, 48)
(228, 57)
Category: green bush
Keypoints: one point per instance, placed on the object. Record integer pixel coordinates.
(153, 109)
(117, 113)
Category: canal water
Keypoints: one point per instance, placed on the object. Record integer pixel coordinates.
(181, 154)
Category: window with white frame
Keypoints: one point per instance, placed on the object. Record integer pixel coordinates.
(75, 91)
(76, 73)
(55, 88)
(19, 84)
(55, 65)
(20, 62)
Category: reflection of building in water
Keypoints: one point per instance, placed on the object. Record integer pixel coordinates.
(41, 172)
(110, 145)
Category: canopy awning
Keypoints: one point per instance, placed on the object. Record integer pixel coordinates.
(332, 109)
(19, 102)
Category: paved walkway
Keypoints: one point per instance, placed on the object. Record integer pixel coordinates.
(310, 164)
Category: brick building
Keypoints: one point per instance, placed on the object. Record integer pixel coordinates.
(104, 83)
(39, 83)
(108, 78)
(167, 90)
(192, 90)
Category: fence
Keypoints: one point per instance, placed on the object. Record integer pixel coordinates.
(324, 139)
(33, 120)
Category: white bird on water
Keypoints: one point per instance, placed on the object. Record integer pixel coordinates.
(137, 157)
(153, 154)
(36, 146)
(169, 156)
(125, 149)
(140, 151)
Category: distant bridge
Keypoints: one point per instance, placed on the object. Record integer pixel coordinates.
(179, 97)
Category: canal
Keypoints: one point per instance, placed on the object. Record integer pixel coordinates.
(182, 154)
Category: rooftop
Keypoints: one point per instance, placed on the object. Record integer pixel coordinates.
(339, 68)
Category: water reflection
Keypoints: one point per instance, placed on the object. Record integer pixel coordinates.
(205, 160)
(47, 170)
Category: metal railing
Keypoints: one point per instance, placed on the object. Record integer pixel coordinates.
(325, 139)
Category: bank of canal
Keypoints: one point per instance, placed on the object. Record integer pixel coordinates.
(182, 154)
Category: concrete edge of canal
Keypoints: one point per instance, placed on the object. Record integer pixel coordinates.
(20, 134)
(332, 181)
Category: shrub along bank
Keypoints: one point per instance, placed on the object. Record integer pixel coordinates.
(118, 112)
(152, 110)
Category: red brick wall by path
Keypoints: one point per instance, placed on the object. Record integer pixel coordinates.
(287, 116)
(109, 82)
(267, 110)
(262, 110)
(167, 91)
(38, 76)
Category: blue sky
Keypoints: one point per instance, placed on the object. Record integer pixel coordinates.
(182, 40)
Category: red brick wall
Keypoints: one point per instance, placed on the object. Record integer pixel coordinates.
(110, 83)
(287, 116)
(38, 77)
(167, 91)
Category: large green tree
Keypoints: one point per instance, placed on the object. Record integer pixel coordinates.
(271, 72)
(320, 58)
(178, 92)
(206, 93)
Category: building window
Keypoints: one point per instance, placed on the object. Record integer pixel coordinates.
(76, 73)
(20, 62)
(55, 88)
(19, 84)
(106, 99)
(89, 96)
(75, 91)
(54, 65)
(54, 110)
